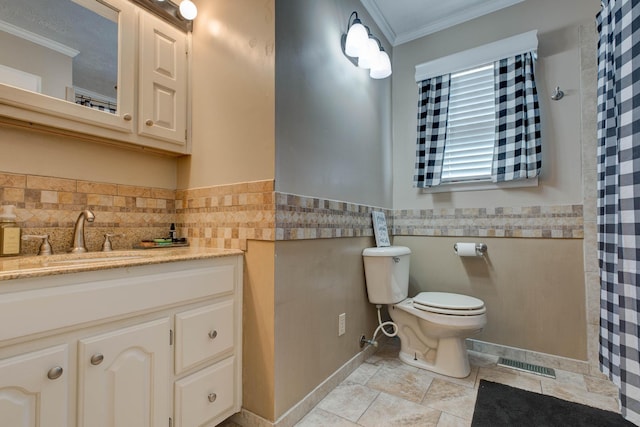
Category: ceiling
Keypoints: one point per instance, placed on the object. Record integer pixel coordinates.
(404, 20)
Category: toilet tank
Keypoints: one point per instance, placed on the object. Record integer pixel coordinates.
(386, 271)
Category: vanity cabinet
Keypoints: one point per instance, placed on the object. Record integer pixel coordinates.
(149, 107)
(124, 376)
(34, 388)
(154, 345)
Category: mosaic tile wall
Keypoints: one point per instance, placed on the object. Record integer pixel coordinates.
(46, 205)
(226, 216)
(299, 217)
(549, 222)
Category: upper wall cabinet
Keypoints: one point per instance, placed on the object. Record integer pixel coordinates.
(105, 69)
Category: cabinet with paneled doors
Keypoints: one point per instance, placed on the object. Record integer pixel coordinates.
(152, 345)
(122, 76)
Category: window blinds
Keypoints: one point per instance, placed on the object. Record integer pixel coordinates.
(470, 137)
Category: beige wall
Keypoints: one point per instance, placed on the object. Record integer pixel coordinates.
(258, 329)
(533, 288)
(233, 118)
(316, 280)
(25, 151)
(558, 65)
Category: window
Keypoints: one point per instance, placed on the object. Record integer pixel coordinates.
(468, 150)
(478, 118)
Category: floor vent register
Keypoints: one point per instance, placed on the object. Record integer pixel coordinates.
(527, 367)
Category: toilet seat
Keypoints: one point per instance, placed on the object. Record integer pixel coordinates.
(449, 303)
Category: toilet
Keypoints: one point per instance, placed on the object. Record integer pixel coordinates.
(432, 326)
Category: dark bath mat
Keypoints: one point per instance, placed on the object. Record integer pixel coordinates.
(502, 405)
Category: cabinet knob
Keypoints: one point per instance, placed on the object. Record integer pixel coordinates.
(212, 397)
(97, 359)
(149, 122)
(213, 334)
(127, 117)
(55, 373)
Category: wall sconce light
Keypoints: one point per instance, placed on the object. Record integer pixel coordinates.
(181, 16)
(188, 10)
(361, 44)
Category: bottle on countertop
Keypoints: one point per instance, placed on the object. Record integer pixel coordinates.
(172, 232)
(9, 232)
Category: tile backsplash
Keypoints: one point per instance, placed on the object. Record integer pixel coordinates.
(46, 205)
(226, 216)
(229, 215)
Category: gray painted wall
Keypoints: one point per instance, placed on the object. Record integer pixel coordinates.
(333, 122)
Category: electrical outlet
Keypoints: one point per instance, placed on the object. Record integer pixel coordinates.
(342, 324)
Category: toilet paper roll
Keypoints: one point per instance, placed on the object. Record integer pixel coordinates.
(466, 249)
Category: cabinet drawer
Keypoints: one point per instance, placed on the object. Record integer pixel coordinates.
(205, 395)
(203, 333)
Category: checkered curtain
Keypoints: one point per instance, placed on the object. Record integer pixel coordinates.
(432, 130)
(619, 199)
(517, 153)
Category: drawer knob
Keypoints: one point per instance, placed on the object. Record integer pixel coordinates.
(55, 373)
(149, 122)
(97, 359)
(213, 334)
(212, 397)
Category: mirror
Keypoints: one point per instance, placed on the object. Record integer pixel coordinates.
(66, 49)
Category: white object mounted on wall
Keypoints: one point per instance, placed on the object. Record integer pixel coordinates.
(380, 229)
(361, 44)
(470, 249)
(188, 10)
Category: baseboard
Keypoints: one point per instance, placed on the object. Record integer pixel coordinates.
(528, 356)
(299, 410)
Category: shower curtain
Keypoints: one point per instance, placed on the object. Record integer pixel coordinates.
(619, 198)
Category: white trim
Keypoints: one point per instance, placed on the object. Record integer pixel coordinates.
(456, 18)
(20, 79)
(451, 187)
(38, 39)
(378, 17)
(480, 55)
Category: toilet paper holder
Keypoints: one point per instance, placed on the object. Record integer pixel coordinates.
(481, 248)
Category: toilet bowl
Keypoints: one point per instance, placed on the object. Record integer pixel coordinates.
(432, 326)
(434, 340)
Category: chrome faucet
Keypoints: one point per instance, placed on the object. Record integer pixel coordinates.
(78, 231)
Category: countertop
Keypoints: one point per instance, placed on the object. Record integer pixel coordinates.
(21, 267)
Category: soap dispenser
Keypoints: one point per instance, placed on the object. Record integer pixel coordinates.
(9, 232)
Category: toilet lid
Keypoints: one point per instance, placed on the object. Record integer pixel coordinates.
(448, 303)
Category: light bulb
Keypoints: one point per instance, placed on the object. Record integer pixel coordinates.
(356, 39)
(381, 67)
(188, 10)
(365, 60)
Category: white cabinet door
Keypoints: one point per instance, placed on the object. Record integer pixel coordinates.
(124, 377)
(162, 81)
(34, 389)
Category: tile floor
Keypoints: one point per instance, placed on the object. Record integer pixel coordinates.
(385, 392)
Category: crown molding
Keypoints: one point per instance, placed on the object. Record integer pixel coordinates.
(38, 39)
(454, 19)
